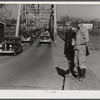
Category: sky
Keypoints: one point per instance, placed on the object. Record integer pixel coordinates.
(83, 11)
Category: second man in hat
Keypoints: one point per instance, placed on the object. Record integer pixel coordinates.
(69, 48)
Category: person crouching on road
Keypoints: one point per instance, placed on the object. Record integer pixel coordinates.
(69, 48)
(82, 37)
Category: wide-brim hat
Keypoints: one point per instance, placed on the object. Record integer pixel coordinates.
(80, 21)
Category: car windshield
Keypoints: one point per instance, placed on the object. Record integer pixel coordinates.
(45, 37)
(11, 39)
(45, 34)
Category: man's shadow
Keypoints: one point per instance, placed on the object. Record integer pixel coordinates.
(62, 73)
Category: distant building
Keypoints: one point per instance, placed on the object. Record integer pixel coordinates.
(88, 25)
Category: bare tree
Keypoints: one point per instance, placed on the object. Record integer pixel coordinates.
(5, 13)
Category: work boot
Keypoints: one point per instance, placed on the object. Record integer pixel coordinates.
(74, 74)
(68, 70)
(67, 73)
(82, 75)
(79, 75)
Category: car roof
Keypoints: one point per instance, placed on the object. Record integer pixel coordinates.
(11, 37)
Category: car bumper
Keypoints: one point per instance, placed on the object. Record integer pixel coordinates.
(46, 41)
(8, 51)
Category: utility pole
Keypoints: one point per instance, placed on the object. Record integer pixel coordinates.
(55, 24)
(38, 17)
(27, 18)
(51, 26)
(18, 21)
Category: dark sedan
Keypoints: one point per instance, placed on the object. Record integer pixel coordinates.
(11, 45)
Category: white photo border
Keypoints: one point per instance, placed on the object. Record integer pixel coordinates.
(50, 94)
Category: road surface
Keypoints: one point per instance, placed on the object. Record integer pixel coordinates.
(42, 67)
(31, 69)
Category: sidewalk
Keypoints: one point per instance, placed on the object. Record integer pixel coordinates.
(92, 81)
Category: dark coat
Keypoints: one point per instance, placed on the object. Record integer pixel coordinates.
(87, 50)
(68, 48)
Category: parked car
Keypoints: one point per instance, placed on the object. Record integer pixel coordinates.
(11, 45)
(45, 37)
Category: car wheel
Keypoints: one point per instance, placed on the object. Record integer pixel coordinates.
(15, 51)
(49, 42)
(30, 43)
(40, 42)
(21, 48)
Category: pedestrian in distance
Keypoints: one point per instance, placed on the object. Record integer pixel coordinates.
(69, 48)
(81, 50)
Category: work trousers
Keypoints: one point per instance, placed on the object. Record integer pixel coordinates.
(80, 57)
(70, 58)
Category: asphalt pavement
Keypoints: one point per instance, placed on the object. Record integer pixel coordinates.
(32, 69)
(42, 67)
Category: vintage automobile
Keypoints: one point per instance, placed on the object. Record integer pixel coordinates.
(27, 39)
(11, 45)
(45, 37)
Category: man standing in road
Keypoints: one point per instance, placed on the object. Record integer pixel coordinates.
(82, 37)
(69, 48)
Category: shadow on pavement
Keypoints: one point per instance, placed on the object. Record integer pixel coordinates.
(39, 44)
(62, 73)
(49, 45)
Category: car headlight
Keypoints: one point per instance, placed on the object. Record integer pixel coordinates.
(10, 46)
(21, 44)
